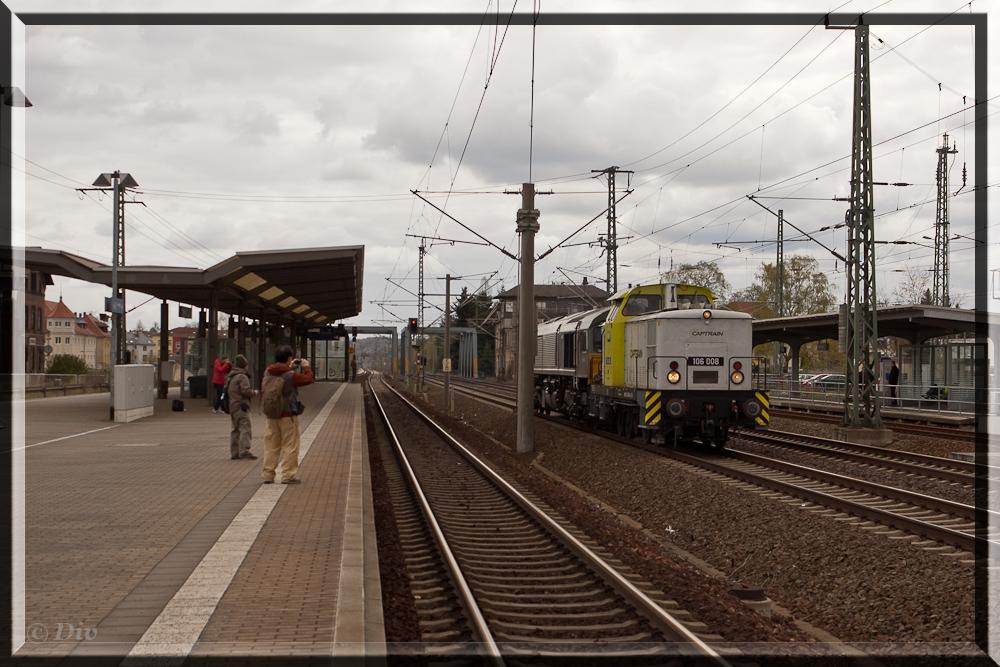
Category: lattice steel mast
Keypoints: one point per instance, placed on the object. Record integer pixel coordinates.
(941, 229)
(611, 242)
(861, 405)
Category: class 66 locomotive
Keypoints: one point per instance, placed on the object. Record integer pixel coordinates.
(659, 361)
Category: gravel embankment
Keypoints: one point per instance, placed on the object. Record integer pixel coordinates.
(850, 582)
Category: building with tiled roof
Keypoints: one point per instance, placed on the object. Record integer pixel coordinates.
(141, 347)
(61, 324)
(96, 335)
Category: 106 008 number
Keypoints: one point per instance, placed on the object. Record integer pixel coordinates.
(705, 361)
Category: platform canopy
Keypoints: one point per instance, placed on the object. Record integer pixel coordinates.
(310, 285)
(915, 323)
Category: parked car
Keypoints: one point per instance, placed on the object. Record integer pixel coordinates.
(831, 382)
(811, 380)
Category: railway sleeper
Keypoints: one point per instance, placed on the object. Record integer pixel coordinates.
(640, 637)
(513, 562)
(594, 594)
(438, 612)
(537, 588)
(542, 549)
(424, 602)
(623, 626)
(519, 571)
(439, 624)
(589, 604)
(449, 635)
(486, 579)
(462, 540)
(583, 616)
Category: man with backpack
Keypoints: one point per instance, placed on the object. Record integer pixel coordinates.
(280, 404)
(237, 393)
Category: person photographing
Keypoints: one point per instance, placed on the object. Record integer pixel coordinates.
(280, 404)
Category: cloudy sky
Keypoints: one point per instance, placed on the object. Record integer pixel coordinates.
(255, 138)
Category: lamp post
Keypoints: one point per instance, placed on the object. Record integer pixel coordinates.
(116, 304)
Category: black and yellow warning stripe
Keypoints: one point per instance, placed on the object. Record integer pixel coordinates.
(763, 418)
(654, 406)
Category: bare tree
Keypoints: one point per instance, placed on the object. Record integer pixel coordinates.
(913, 286)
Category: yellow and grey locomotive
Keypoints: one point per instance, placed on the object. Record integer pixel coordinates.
(658, 359)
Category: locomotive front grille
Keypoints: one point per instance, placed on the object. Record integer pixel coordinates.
(704, 377)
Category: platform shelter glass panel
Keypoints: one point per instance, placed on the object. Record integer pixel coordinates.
(329, 360)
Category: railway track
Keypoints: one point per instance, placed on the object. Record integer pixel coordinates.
(491, 565)
(927, 522)
(928, 430)
(931, 523)
(936, 467)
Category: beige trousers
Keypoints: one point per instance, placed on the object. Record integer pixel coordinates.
(240, 436)
(281, 435)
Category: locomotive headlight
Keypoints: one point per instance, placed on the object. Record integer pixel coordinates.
(707, 314)
(673, 377)
(737, 377)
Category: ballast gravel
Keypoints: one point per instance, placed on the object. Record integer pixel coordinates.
(850, 582)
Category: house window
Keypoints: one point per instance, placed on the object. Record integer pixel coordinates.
(509, 306)
(541, 304)
(58, 340)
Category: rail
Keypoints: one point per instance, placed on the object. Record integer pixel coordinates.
(468, 600)
(612, 577)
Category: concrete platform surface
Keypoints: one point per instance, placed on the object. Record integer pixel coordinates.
(144, 541)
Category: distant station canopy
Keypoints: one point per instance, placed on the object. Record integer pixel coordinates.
(311, 285)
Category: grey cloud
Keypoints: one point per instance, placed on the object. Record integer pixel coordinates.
(254, 123)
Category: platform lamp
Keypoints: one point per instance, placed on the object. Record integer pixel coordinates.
(12, 97)
(118, 181)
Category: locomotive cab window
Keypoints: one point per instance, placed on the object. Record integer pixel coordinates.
(640, 304)
(688, 301)
(598, 340)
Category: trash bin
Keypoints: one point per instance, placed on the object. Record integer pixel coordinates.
(198, 386)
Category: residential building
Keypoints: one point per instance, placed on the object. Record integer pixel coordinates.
(141, 347)
(177, 336)
(96, 335)
(61, 337)
(551, 302)
(35, 321)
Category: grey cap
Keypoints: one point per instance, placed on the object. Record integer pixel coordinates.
(240, 361)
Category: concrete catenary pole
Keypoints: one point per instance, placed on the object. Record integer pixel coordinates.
(527, 226)
(446, 362)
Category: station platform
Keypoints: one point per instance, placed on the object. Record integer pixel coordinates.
(145, 543)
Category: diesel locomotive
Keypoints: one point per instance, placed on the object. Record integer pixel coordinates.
(659, 359)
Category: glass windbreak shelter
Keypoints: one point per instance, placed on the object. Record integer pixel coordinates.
(954, 365)
(328, 363)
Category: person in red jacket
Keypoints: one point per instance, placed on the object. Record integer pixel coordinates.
(222, 368)
(283, 434)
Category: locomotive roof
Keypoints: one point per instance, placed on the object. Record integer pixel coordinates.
(692, 314)
(585, 319)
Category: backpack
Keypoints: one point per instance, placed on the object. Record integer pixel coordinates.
(272, 395)
(177, 405)
(224, 399)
